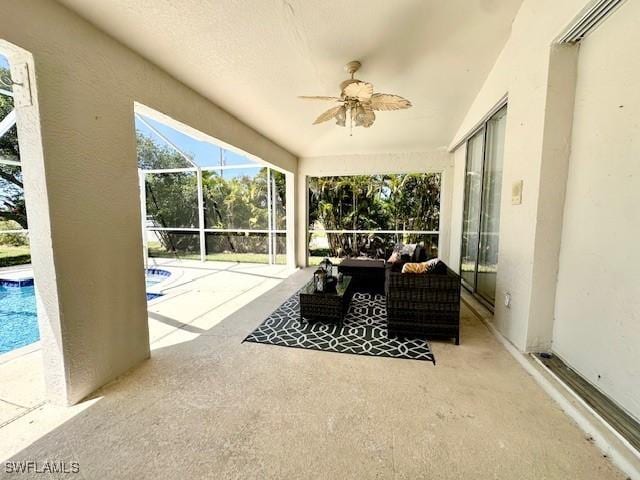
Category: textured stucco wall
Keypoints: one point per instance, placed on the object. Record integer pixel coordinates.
(567, 253)
(597, 324)
(527, 72)
(82, 190)
(411, 162)
(556, 140)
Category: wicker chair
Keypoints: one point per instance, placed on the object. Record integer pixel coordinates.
(423, 304)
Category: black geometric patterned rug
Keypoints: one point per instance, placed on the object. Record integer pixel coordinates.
(364, 331)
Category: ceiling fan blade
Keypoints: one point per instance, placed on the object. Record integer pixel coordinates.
(386, 101)
(359, 90)
(318, 97)
(328, 115)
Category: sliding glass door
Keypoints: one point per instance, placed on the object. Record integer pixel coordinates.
(471, 215)
(481, 216)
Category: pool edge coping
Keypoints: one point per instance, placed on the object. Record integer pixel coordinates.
(19, 352)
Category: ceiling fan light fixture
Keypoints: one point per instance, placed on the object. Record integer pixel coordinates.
(341, 116)
(368, 119)
(359, 116)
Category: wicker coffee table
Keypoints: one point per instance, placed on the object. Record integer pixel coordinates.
(327, 306)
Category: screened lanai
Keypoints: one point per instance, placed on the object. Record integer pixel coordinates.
(205, 200)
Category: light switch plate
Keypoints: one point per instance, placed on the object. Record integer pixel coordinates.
(516, 192)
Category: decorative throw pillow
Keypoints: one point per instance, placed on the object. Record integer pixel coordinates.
(411, 267)
(396, 254)
(408, 249)
(422, 267)
(394, 258)
(432, 264)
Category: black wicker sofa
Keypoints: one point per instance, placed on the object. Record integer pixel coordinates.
(418, 304)
(424, 304)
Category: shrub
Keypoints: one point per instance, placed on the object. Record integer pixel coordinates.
(12, 239)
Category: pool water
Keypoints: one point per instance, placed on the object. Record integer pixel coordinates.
(18, 320)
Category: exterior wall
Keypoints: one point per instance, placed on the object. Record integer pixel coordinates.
(566, 253)
(82, 189)
(528, 72)
(597, 324)
(435, 161)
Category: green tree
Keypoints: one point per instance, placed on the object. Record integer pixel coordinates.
(378, 202)
(12, 205)
(171, 197)
(230, 202)
(154, 156)
(347, 203)
(237, 202)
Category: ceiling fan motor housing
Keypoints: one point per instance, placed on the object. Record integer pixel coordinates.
(352, 67)
(348, 82)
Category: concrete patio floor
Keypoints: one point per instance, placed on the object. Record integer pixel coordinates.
(208, 406)
(200, 295)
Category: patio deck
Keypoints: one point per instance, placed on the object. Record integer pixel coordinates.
(196, 297)
(207, 405)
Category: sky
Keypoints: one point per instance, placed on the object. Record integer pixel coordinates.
(3, 62)
(205, 154)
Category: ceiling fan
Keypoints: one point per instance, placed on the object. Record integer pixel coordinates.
(358, 100)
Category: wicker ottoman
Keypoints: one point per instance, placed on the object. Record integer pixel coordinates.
(368, 275)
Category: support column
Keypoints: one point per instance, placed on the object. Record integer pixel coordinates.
(83, 203)
(270, 227)
(554, 165)
(292, 212)
(203, 237)
(301, 196)
(143, 214)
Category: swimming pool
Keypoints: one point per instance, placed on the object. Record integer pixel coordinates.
(18, 320)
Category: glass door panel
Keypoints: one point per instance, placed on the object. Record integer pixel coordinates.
(471, 214)
(490, 216)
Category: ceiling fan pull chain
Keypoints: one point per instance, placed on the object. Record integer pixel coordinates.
(351, 120)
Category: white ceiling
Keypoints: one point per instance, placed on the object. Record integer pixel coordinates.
(253, 58)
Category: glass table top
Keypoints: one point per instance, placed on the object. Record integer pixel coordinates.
(341, 288)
